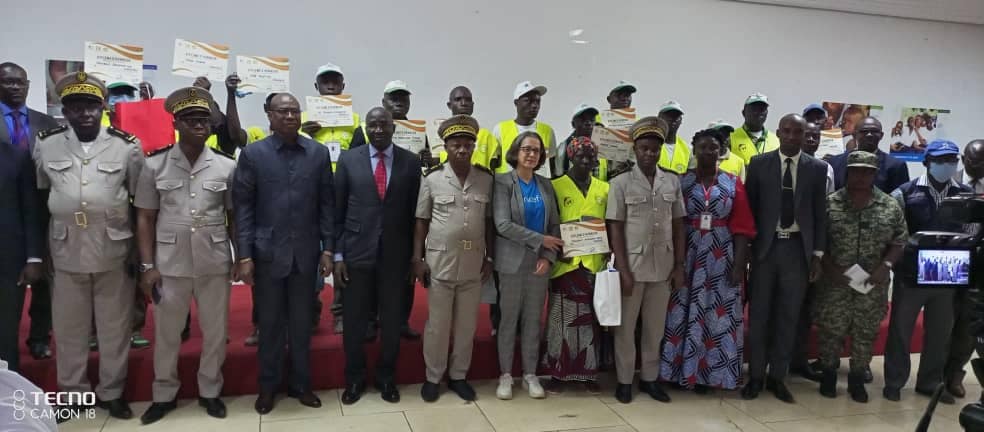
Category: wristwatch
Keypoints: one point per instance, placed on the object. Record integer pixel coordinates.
(144, 268)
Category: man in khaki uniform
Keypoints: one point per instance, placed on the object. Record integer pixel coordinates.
(183, 201)
(91, 172)
(645, 224)
(454, 225)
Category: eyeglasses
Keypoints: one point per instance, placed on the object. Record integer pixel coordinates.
(195, 121)
(530, 150)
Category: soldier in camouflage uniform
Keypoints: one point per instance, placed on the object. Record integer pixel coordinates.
(867, 228)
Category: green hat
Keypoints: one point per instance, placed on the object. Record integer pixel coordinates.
(862, 159)
(756, 98)
(671, 105)
(721, 125)
(188, 98)
(458, 125)
(80, 84)
(119, 84)
(647, 126)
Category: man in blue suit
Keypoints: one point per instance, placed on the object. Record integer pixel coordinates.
(284, 201)
(892, 172)
(376, 187)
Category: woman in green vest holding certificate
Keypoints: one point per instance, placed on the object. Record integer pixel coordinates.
(572, 329)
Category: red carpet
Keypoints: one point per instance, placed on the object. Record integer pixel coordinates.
(328, 358)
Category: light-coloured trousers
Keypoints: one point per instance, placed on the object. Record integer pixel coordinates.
(521, 298)
(452, 311)
(650, 300)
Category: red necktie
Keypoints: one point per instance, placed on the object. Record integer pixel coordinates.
(380, 175)
(18, 138)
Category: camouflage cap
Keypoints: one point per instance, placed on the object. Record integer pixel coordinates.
(862, 159)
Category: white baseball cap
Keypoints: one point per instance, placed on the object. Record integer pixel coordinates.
(582, 108)
(671, 105)
(328, 67)
(757, 97)
(623, 84)
(396, 85)
(526, 87)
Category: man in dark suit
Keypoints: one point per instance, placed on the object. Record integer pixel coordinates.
(787, 194)
(284, 201)
(19, 129)
(892, 172)
(376, 190)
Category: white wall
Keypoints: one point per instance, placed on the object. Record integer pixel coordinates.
(709, 54)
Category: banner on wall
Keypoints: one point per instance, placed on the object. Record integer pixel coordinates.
(915, 128)
(54, 71)
(842, 120)
(114, 62)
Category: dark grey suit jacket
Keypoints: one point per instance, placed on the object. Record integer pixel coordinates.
(36, 120)
(371, 231)
(764, 186)
(513, 239)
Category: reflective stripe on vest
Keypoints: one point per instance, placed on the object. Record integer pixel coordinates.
(572, 205)
(486, 149)
(744, 146)
(508, 131)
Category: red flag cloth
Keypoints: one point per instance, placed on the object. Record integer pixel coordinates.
(148, 121)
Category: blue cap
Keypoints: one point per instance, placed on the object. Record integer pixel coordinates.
(942, 148)
(814, 106)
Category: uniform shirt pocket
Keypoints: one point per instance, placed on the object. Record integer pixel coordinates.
(214, 186)
(167, 237)
(112, 173)
(61, 165)
(169, 185)
(59, 231)
(637, 205)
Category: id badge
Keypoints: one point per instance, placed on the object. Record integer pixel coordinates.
(705, 221)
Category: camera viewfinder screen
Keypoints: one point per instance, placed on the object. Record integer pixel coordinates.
(944, 267)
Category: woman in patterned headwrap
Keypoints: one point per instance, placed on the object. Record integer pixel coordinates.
(702, 344)
(572, 330)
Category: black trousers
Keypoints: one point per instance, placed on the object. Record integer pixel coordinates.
(778, 285)
(40, 310)
(384, 289)
(285, 320)
(11, 304)
(801, 346)
(962, 343)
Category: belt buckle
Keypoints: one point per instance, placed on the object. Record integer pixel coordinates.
(196, 221)
(782, 235)
(466, 244)
(81, 220)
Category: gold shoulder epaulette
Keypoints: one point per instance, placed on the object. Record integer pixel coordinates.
(433, 169)
(130, 138)
(53, 131)
(159, 151)
(484, 169)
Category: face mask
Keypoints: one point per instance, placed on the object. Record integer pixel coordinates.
(942, 172)
(114, 99)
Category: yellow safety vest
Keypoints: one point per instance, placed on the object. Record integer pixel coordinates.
(486, 149)
(509, 131)
(573, 205)
(745, 147)
(733, 164)
(679, 161)
(341, 134)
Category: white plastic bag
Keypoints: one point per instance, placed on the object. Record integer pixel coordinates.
(608, 297)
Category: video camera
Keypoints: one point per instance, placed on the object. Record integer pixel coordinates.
(954, 260)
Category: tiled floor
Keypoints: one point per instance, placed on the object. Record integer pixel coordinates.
(572, 411)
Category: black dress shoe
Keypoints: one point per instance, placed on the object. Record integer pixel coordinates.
(40, 350)
(389, 392)
(157, 411)
(752, 389)
(429, 392)
(811, 374)
(462, 389)
(213, 406)
(654, 391)
(779, 389)
(828, 385)
(408, 333)
(868, 377)
(352, 393)
(306, 398)
(855, 387)
(264, 403)
(623, 393)
(118, 408)
(892, 394)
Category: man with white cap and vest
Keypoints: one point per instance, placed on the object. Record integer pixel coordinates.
(526, 98)
(583, 122)
(183, 201)
(486, 154)
(752, 138)
(91, 172)
(675, 156)
(330, 81)
(452, 255)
